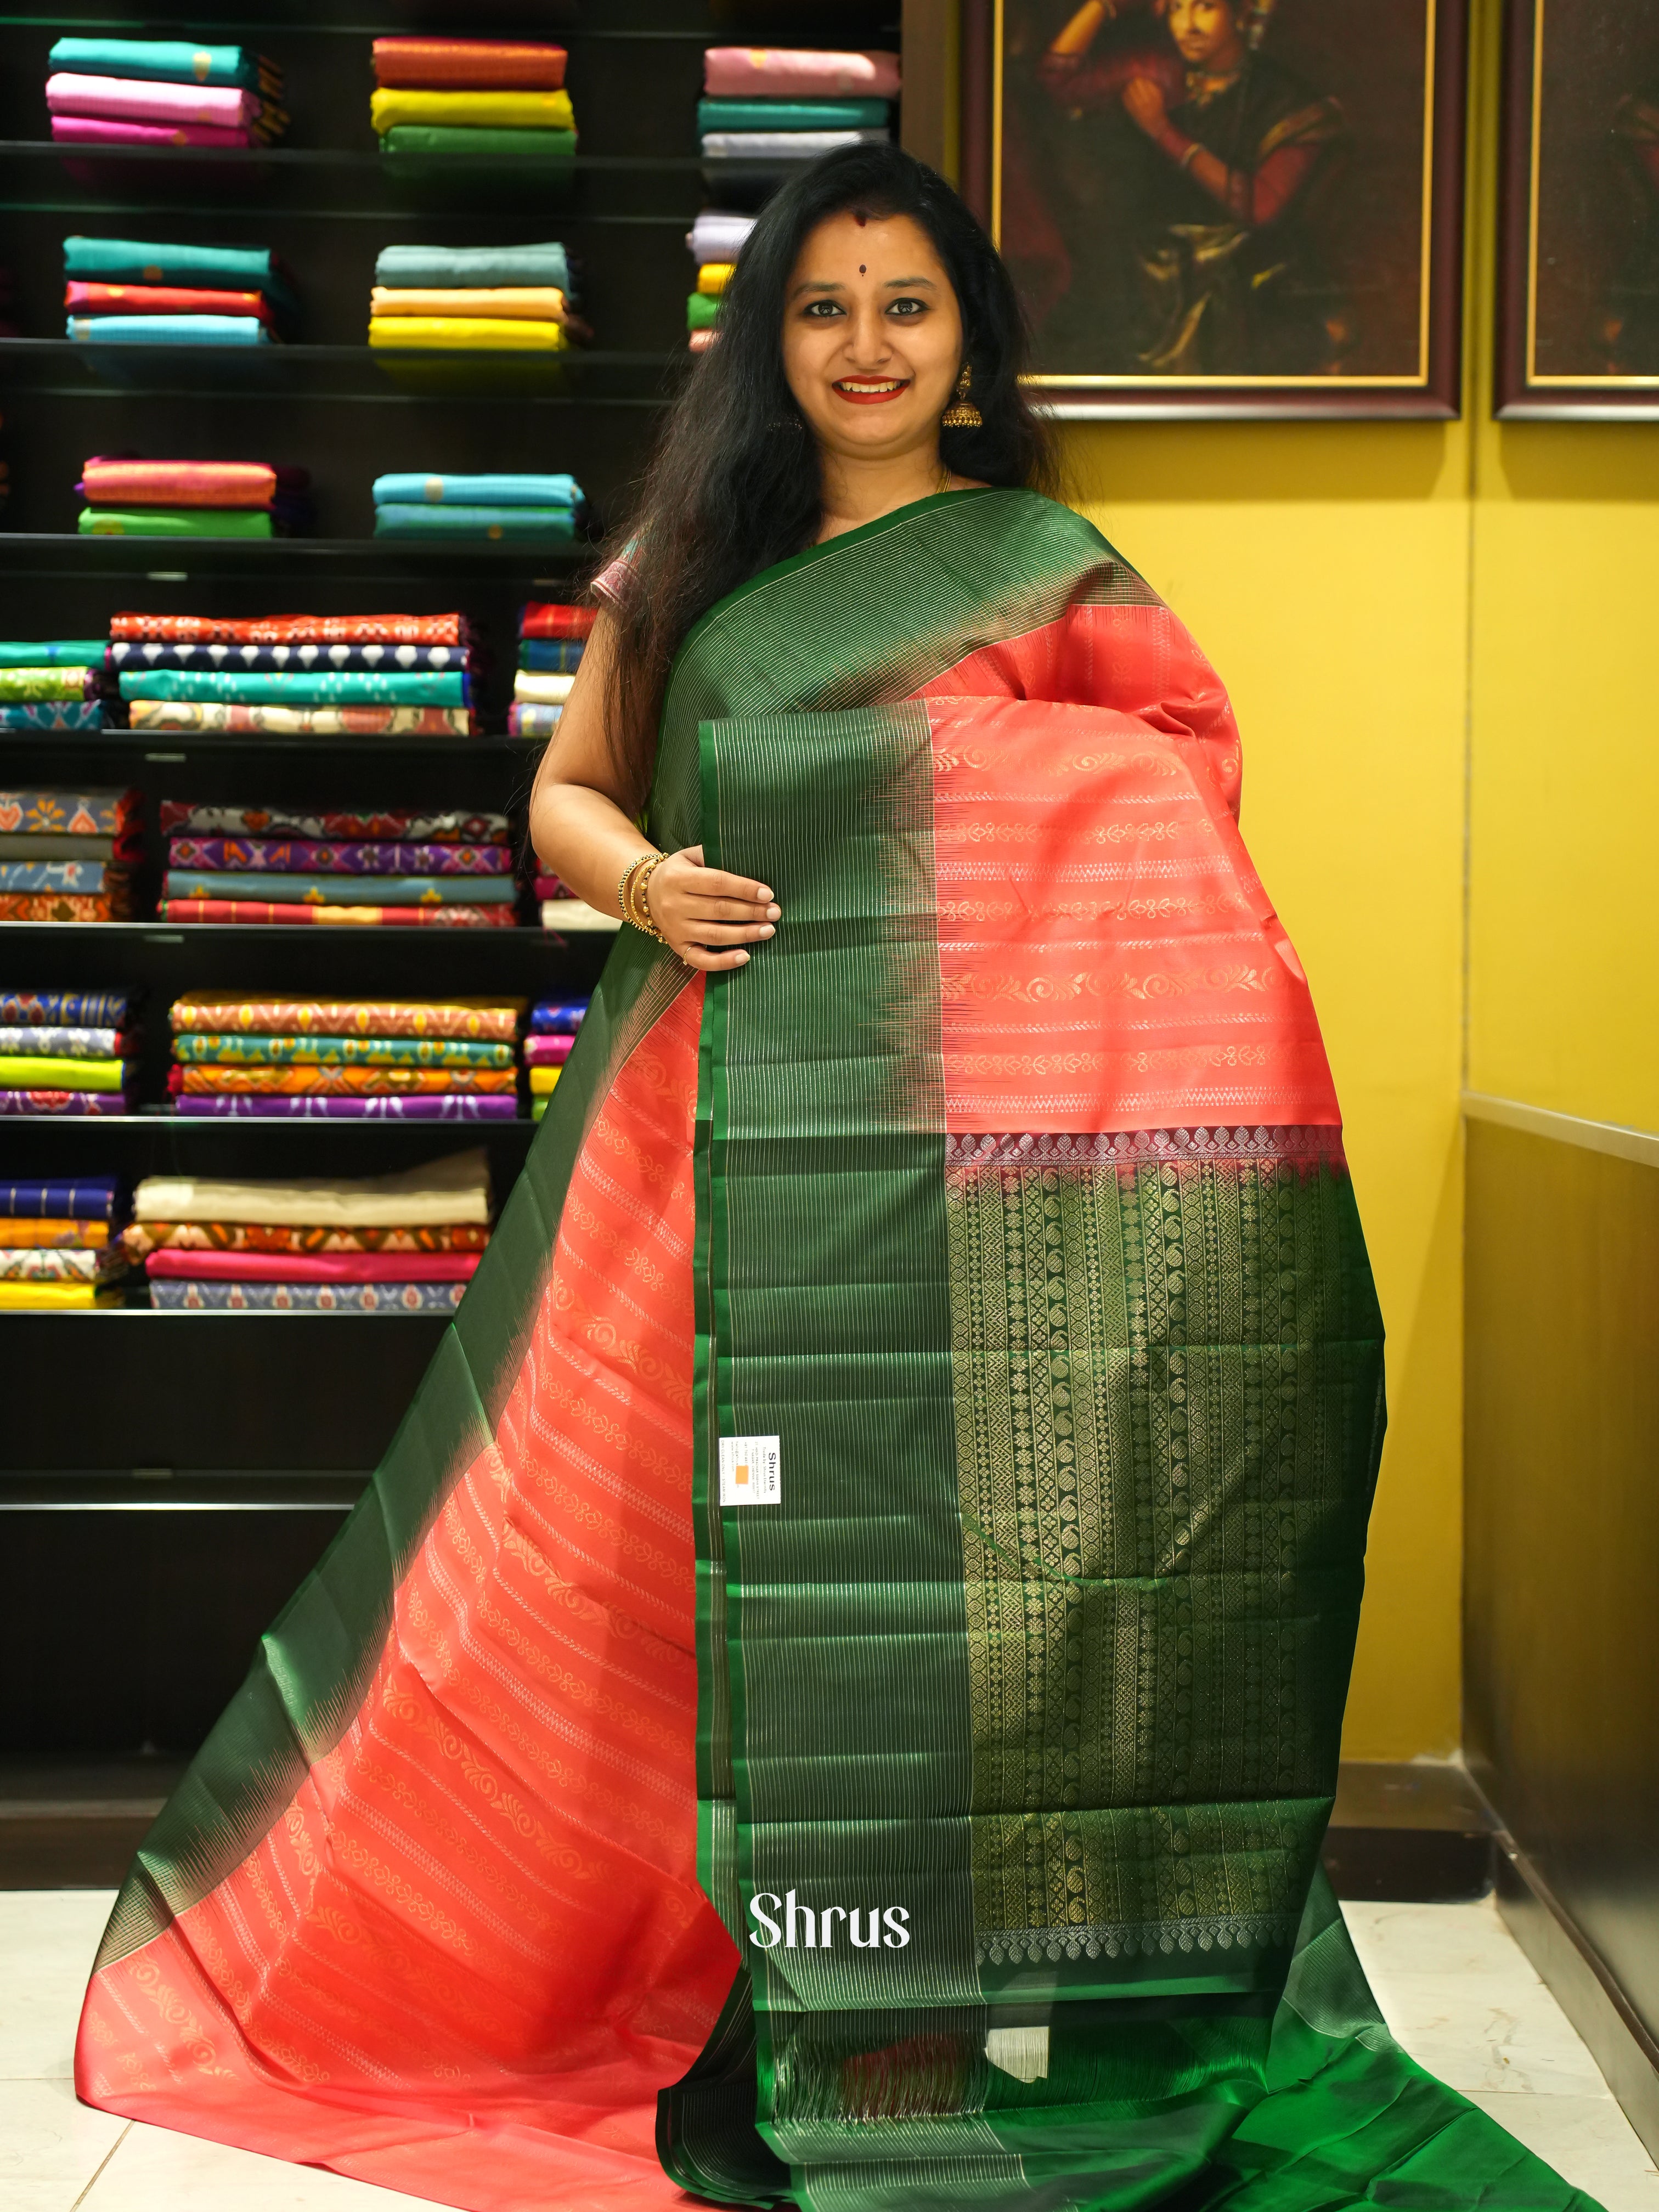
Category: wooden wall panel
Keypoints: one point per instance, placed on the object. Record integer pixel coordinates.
(1561, 1577)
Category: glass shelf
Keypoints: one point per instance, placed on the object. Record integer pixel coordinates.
(586, 376)
(183, 559)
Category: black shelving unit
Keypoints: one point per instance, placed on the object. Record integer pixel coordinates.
(166, 1478)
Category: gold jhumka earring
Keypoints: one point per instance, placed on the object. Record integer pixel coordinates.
(962, 413)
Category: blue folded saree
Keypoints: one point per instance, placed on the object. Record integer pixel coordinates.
(206, 268)
(54, 653)
(555, 523)
(168, 61)
(313, 687)
(340, 890)
(414, 489)
(550, 656)
(52, 714)
(290, 660)
(169, 330)
(459, 268)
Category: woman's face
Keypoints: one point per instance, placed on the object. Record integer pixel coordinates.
(872, 341)
(1207, 33)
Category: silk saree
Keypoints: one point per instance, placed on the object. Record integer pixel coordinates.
(833, 1695)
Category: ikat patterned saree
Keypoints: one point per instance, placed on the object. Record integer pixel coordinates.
(834, 1691)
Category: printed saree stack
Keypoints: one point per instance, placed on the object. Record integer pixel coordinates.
(68, 855)
(471, 100)
(543, 510)
(66, 1052)
(833, 1696)
(130, 498)
(163, 92)
(295, 648)
(242, 1054)
(552, 636)
(56, 1249)
(321, 865)
(52, 684)
(127, 291)
(781, 106)
(380, 1244)
(553, 1026)
(714, 241)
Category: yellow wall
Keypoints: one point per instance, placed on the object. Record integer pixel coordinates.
(1324, 569)
(1434, 635)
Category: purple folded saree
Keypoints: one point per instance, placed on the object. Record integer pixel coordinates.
(442, 1108)
(302, 856)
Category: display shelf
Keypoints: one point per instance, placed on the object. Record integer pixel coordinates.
(332, 371)
(154, 1490)
(360, 560)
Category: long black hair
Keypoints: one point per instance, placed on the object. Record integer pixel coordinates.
(734, 484)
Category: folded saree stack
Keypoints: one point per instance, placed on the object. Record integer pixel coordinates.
(319, 864)
(550, 639)
(784, 105)
(295, 649)
(540, 509)
(52, 684)
(714, 241)
(130, 291)
(56, 1244)
(65, 1052)
(128, 498)
(379, 1244)
(553, 1026)
(163, 92)
(492, 99)
(239, 1054)
(473, 299)
(68, 855)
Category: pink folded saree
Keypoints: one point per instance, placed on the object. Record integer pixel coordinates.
(794, 73)
(104, 131)
(187, 1266)
(180, 483)
(129, 100)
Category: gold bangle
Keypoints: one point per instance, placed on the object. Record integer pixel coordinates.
(624, 888)
(638, 898)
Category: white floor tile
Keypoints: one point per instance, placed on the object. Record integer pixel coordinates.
(155, 2171)
(48, 1939)
(49, 2146)
(1588, 2139)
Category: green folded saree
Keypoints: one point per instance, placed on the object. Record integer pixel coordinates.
(836, 1684)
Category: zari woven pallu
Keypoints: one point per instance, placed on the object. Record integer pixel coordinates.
(851, 1636)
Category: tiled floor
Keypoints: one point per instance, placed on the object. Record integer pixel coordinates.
(1456, 1990)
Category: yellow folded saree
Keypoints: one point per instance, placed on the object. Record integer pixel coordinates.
(38, 1071)
(535, 303)
(466, 333)
(488, 111)
(19, 1297)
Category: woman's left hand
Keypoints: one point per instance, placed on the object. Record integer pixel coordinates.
(1143, 102)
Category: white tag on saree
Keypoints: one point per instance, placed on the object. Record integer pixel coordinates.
(751, 1472)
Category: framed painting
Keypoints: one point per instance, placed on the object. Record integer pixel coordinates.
(1236, 207)
(1578, 246)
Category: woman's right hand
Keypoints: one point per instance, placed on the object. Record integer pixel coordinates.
(707, 916)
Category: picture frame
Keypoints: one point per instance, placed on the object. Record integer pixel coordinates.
(1578, 334)
(1315, 273)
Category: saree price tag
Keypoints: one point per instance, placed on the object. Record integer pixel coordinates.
(752, 1471)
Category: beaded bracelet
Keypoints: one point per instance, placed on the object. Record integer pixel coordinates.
(631, 895)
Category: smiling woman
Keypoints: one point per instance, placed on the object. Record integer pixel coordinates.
(834, 1697)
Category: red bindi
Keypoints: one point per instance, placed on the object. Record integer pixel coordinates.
(861, 269)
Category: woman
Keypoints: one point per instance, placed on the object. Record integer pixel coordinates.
(837, 1682)
(1213, 159)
